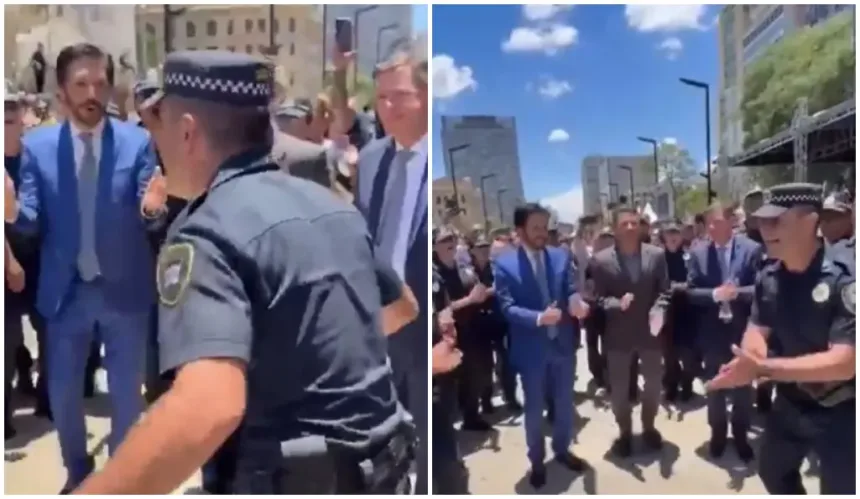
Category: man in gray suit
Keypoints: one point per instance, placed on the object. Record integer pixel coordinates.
(629, 278)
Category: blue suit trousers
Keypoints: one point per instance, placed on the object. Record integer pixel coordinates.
(550, 379)
(70, 334)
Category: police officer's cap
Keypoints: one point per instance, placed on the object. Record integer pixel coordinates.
(481, 242)
(839, 202)
(500, 232)
(112, 109)
(12, 100)
(780, 198)
(672, 227)
(442, 234)
(144, 89)
(293, 109)
(606, 232)
(216, 76)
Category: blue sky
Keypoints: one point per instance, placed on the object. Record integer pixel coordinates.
(579, 80)
(419, 18)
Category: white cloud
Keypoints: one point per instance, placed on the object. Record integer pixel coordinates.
(449, 79)
(568, 205)
(547, 39)
(558, 135)
(650, 18)
(672, 141)
(672, 47)
(543, 12)
(553, 89)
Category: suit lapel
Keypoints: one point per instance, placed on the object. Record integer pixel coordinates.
(420, 214)
(619, 269)
(377, 193)
(107, 164)
(67, 179)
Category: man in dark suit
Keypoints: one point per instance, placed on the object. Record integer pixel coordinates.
(392, 194)
(536, 290)
(303, 159)
(628, 280)
(722, 276)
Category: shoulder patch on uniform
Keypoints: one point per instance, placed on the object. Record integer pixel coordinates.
(821, 292)
(174, 272)
(848, 297)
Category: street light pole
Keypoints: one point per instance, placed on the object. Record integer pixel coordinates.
(707, 88)
(451, 152)
(383, 29)
(653, 143)
(355, 18)
(499, 199)
(484, 201)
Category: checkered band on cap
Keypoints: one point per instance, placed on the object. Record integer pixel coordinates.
(791, 199)
(219, 85)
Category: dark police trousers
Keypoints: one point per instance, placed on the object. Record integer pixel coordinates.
(450, 476)
(311, 466)
(797, 426)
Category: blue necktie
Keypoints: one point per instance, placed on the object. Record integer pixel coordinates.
(88, 263)
(540, 275)
(392, 244)
(724, 270)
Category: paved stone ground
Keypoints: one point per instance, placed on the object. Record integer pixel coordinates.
(497, 462)
(32, 459)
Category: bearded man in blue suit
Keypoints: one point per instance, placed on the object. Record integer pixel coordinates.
(89, 191)
(536, 290)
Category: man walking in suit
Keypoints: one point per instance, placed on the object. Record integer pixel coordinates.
(88, 190)
(722, 275)
(392, 194)
(536, 290)
(629, 277)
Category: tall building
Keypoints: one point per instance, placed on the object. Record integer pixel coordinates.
(486, 147)
(242, 28)
(378, 30)
(606, 178)
(746, 31)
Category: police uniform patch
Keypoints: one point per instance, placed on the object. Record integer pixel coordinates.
(821, 292)
(848, 297)
(435, 286)
(174, 272)
(686, 257)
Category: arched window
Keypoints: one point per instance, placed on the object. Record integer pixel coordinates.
(211, 28)
(229, 27)
(190, 29)
(291, 25)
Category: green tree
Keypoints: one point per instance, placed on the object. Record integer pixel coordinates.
(691, 201)
(363, 92)
(676, 166)
(817, 63)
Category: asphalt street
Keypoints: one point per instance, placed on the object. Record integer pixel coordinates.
(497, 461)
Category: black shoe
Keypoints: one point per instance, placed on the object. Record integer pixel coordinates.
(745, 452)
(514, 406)
(717, 446)
(653, 439)
(623, 446)
(537, 477)
(476, 424)
(571, 462)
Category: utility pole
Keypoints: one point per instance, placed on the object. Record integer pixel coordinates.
(169, 14)
(484, 201)
(499, 199)
(707, 88)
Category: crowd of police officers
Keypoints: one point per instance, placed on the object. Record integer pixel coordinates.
(804, 389)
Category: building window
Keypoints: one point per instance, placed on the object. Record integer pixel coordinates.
(190, 29)
(249, 26)
(229, 27)
(261, 25)
(248, 49)
(211, 28)
(291, 25)
(231, 49)
(276, 26)
(292, 49)
(462, 199)
(211, 48)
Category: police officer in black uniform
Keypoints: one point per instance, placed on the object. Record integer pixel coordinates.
(269, 312)
(805, 301)
(837, 226)
(466, 295)
(450, 476)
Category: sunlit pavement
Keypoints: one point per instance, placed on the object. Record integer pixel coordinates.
(497, 462)
(32, 459)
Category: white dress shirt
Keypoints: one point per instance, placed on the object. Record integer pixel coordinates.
(78, 144)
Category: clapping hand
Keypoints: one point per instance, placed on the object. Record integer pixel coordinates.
(741, 371)
(577, 307)
(551, 316)
(446, 357)
(626, 301)
(155, 197)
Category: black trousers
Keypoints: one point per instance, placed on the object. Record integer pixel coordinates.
(475, 373)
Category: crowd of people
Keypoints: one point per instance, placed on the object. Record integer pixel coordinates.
(182, 245)
(754, 299)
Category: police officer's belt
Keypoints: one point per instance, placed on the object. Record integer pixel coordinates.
(829, 394)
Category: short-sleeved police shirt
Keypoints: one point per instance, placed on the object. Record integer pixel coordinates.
(277, 272)
(806, 312)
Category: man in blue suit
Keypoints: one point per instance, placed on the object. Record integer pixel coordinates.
(536, 289)
(392, 194)
(722, 275)
(88, 190)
